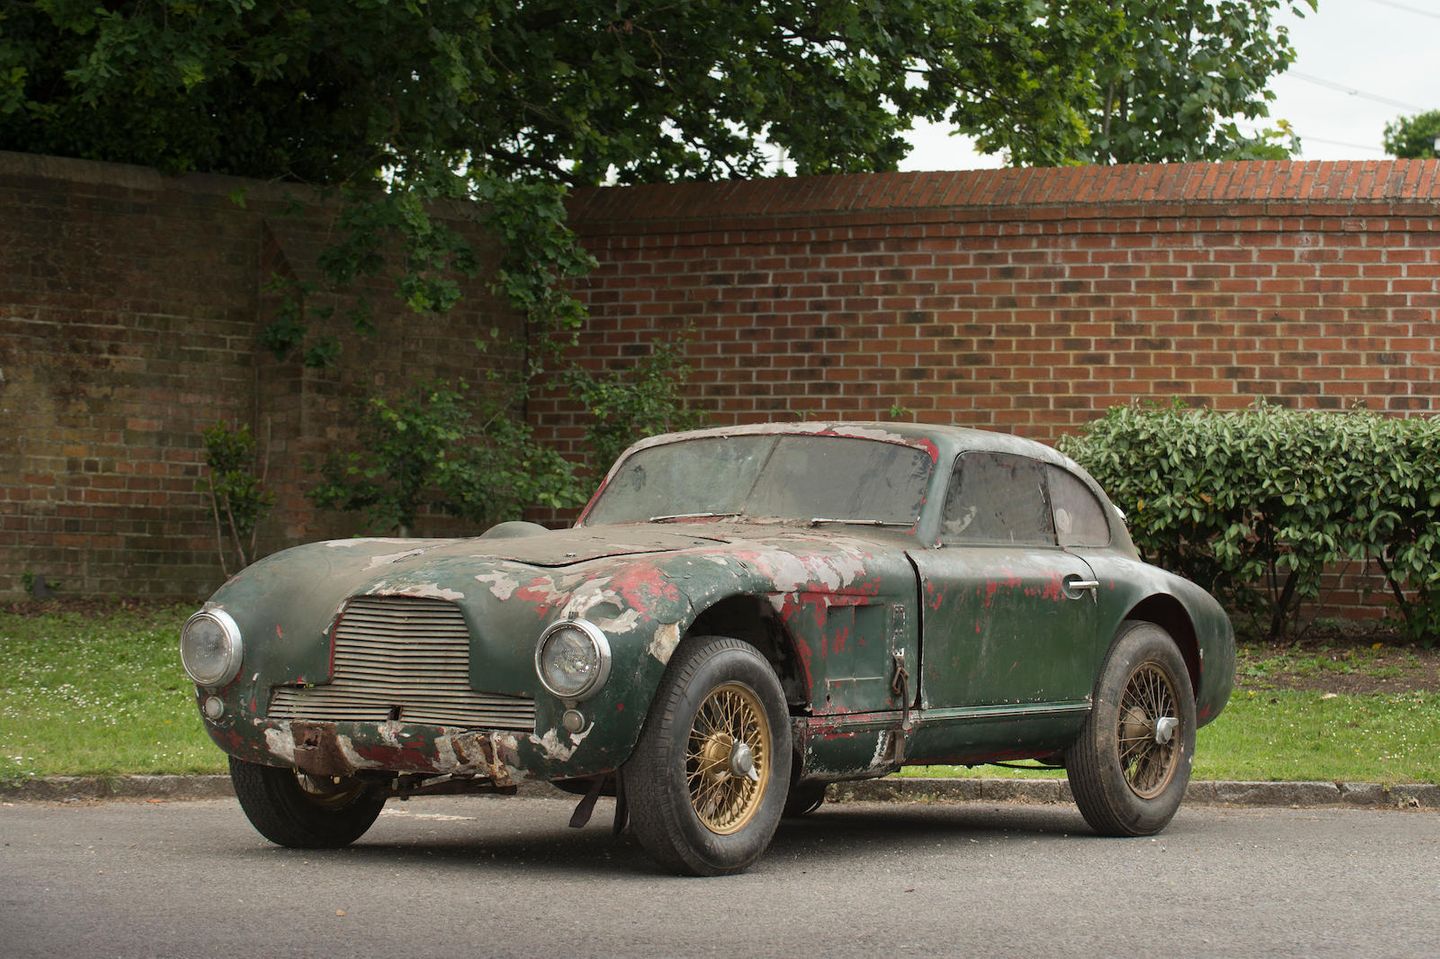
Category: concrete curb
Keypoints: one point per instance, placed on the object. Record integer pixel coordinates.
(893, 789)
(1209, 793)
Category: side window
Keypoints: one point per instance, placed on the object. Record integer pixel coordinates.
(1079, 517)
(997, 498)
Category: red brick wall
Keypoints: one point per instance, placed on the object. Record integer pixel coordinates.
(1026, 300)
(130, 308)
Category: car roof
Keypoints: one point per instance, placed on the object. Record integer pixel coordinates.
(943, 441)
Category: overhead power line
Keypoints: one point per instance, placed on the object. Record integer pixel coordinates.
(1408, 9)
(1342, 143)
(1351, 91)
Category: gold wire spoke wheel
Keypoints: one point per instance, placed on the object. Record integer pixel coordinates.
(1148, 762)
(727, 758)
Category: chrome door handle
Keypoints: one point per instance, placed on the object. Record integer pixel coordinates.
(1075, 587)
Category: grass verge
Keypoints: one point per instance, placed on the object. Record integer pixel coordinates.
(1302, 735)
(104, 695)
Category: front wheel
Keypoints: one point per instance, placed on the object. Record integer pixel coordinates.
(706, 783)
(1129, 768)
(303, 812)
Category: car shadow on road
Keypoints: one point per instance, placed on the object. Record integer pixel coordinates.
(833, 835)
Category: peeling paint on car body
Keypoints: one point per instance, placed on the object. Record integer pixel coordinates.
(888, 655)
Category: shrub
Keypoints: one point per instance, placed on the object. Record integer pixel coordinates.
(1254, 505)
(235, 480)
(442, 447)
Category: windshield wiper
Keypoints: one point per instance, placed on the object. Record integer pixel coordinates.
(669, 516)
(817, 520)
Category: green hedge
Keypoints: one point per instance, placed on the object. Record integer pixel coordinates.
(1254, 505)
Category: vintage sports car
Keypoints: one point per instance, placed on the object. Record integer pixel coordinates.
(739, 617)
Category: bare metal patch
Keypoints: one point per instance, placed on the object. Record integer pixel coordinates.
(882, 742)
(556, 750)
(667, 637)
(388, 558)
(502, 585)
(281, 744)
(356, 761)
(420, 590)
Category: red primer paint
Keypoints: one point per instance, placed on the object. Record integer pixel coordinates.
(802, 657)
(644, 587)
(993, 586)
(278, 633)
(539, 593)
(1054, 589)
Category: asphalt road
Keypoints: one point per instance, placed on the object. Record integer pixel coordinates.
(505, 877)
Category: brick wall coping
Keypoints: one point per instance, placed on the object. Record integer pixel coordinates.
(126, 176)
(1238, 189)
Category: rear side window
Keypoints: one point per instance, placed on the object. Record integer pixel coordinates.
(997, 498)
(1079, 517)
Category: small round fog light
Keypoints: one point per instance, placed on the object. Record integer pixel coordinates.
(573, 720)
(214, 708)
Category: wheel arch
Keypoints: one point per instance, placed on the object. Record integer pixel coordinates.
(1169, 614)
(752, 619)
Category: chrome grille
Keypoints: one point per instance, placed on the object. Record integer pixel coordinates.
(407, 654)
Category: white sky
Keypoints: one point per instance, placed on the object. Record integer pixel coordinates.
(1383, 55)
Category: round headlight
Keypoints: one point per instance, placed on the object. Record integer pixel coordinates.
(572, 659)
(210, 647)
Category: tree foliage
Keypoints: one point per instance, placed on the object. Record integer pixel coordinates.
(398, 105)
(646, 401)
(442, 448)
(1413, 137)
(569, 91)
(1173, 80)
(235, 480)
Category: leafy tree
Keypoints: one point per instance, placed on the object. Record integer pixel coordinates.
(569, 91)
(1173, 80)
(646, 402)
(438, 447)
(400, 104)
(1413, 137)
(235, 479)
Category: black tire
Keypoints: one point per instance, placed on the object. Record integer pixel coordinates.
(803, 799)
(283, 810)
(688, 807)
(1125, 779)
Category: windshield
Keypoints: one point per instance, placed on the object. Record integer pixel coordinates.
(798, 477)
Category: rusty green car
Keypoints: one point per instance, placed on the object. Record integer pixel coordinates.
(739, 617)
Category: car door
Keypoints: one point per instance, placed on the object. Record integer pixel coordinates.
(1008, 616)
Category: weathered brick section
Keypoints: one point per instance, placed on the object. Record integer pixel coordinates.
(1027, 300)
(130, 308)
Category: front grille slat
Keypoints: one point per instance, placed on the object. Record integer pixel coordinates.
(407, 653)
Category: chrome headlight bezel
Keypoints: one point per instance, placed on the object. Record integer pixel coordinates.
(602, 654)
(229, 665)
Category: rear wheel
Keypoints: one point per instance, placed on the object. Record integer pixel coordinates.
(706, 784)
(1129, 768)
(304, 812)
